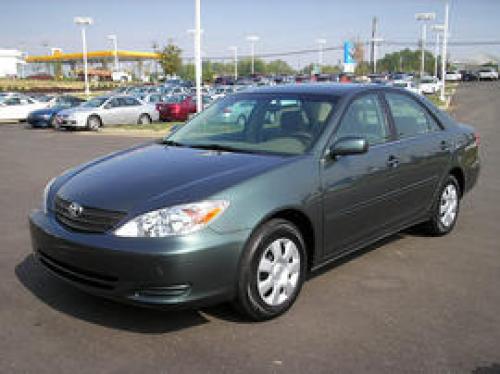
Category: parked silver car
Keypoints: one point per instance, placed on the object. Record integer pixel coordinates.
(108, 110)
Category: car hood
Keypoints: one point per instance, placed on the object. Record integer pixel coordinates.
(156, 175)
(45, 111)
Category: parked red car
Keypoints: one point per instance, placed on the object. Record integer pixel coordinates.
(176, 108)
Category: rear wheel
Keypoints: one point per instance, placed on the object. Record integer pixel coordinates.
(144, 119)
(272, 270)
(445, 209)
(94, 123)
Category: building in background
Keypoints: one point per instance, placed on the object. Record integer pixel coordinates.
(11, 63)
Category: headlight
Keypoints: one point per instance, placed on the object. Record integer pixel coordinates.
(176, 220)
(45, 195)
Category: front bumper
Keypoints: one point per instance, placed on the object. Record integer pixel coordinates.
(38, 121)
(71, 121)
(193, 270)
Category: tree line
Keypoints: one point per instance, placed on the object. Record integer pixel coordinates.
(405, 60)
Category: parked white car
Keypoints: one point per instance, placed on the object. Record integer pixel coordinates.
(488, 73)
(407, 85)
(18, 107)
(453, 76)
(429, 85)
(108, 110)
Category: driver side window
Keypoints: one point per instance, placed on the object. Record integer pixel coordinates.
(365, 118)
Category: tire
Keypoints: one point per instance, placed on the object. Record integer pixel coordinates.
(144, 119)
(272, 271)
(443, 219)
(53, 122)
(94, 123)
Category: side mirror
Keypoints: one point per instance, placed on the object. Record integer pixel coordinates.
(351, 145)
(107, 106)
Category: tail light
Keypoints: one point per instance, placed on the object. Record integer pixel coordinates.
(477, 138)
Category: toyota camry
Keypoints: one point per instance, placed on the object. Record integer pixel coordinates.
(242, 211)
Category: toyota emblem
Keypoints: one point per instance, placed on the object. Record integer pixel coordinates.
(75, 209)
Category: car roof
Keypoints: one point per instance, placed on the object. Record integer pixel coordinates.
(339, 89)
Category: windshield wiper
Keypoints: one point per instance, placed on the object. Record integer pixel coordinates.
(220, 147)
(172, 143)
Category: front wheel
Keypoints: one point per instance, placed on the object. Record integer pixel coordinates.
(144, 119)
(93, 123)
(445, 209)
(272, 270)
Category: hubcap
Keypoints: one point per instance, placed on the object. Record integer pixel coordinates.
(448, 205)
(278, 271)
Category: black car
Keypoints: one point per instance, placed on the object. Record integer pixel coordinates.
(47, 117)
(469, 75)
(242, 211)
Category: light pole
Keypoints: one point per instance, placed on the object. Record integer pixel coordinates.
(443, 55)
(253, 39)
(84, 21)
(424, 17)
(375, 42)
(321, 43)
(197, 53)
(437, 29)
(235, 50)
(113, 38)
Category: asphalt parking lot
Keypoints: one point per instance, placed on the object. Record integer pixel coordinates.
(409, 304)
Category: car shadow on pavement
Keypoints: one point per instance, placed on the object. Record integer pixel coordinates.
(76, 303)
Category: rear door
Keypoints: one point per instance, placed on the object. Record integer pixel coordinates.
(133, 108)
(358, 190)
(423, 152)
(111, 112)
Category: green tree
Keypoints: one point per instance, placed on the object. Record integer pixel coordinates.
(406, 60)
(278, 67)
(170, 59)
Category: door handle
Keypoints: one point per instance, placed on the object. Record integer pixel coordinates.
(444, 145)
(392, 161)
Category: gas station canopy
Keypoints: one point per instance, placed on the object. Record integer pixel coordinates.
(93, 56)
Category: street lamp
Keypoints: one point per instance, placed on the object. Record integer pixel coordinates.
(437, 29)
(235, 50)
(253, 39)
(321, 43)
(445, 45)
(113, 38)
(375, 42)
(424, 17)
(84, 21)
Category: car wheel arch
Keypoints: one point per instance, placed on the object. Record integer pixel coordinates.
(304, 224)
(459, 175)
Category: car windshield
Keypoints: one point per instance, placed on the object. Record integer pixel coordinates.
(172, 99)
(427, 80)
(259, 123)
(94, 103)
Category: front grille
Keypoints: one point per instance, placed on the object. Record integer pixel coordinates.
(91, 220)
(72, 273)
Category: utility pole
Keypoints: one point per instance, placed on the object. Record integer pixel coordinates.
(372, 45)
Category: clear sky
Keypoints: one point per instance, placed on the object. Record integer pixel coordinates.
(283, 25)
